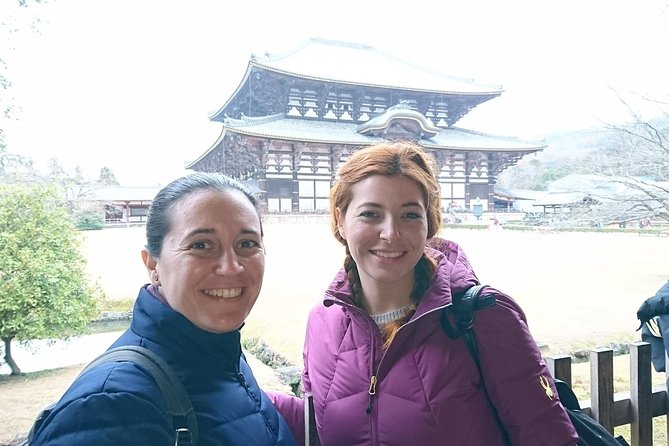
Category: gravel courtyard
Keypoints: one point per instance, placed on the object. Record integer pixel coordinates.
(579, 290)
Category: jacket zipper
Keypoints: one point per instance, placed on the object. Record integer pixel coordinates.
(242, 381)
(373, 380)
(374, 374)
(370, 324)
(372, 392)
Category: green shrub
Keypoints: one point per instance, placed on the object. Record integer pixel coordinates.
(88, 220)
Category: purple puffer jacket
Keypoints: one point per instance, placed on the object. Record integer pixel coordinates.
(428, 390)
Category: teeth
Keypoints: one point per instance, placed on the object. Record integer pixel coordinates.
(387, 254)
(224, 292)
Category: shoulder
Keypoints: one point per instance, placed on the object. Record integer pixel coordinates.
(504, 303)
(125, 375)
(663, 291)
(110, 401)
(325, 317)
(329, 327)
(121, 379)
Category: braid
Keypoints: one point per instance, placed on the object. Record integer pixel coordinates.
(353, 279)
(422, 275)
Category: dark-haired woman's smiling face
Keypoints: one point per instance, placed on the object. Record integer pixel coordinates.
(213, 260)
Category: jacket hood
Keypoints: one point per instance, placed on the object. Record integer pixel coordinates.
(656, 305)
(452, 275)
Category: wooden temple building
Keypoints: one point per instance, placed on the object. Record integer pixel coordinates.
(296, 116)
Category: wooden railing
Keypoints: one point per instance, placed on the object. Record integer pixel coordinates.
(637, 408)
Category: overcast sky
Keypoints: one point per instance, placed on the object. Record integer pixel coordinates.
(129, 84)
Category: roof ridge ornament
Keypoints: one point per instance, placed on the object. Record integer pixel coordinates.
(400, 121)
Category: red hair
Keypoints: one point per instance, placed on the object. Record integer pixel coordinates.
(389, 159)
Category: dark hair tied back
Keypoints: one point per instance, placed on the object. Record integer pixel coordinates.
(159, 220)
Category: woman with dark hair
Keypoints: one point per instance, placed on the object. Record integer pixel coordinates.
(380, 368)
(206, 260)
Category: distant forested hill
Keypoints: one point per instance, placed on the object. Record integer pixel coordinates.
(576, 151)
(564, 154)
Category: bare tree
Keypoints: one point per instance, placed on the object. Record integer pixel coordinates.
(17, 17)
(637, 159)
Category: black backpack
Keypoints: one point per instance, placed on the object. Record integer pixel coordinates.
(176, 399)
(590, 432)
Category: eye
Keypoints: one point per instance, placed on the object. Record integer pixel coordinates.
(367, 214)
(250, 246)
(413, 215)
(200, 244)
(246, 244)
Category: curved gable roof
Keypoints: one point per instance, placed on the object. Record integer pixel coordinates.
(328, 132)
(338, 61)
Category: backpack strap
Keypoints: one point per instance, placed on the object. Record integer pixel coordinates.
(177, 401)
(310, 429)
(463, 307)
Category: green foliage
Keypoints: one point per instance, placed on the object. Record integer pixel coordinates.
(88, 220)
(537, 175)
(44, 288)
(107, 177)
(551, 174)
(116, 305)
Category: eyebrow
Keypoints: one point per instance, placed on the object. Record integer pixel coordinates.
(377, 205)
(198, 231)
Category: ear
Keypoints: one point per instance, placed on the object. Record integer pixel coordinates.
(339, 217)
(151, 264)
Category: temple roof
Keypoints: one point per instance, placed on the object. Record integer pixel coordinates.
(288, 128)
(122, 193)
(329, 132)
(330, 80)
(331, 60)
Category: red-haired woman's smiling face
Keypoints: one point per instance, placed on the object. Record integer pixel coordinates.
(385, 228)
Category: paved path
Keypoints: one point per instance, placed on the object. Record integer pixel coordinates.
(43, 355)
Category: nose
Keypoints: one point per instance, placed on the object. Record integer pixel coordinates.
(389, 231)
(228, 264)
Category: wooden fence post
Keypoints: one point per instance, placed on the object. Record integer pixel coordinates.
(601, 387)
(640, 394)
(636, 408)
(560, 367)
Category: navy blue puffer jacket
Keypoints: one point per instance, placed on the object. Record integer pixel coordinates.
(119, 403)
